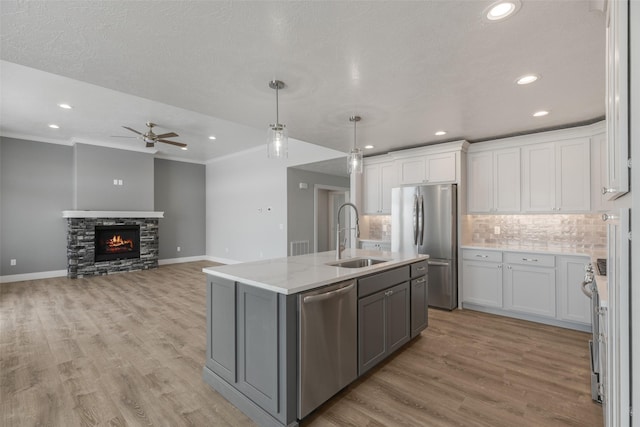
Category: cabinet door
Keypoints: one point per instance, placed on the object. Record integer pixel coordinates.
(538, 178)
(506, 180)
(388, 180)
(530, 289)
(617, 98)
(573, 304)
(419, 303)
(258, 346)
(398, 320)
(480, 182)
(372, 333)
(482, 283)
(221, 327)
(441, 168)
(573, 183)
(412, 171)
(599, 201)
(371, 184)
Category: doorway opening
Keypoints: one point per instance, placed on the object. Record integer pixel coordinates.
(327, 201)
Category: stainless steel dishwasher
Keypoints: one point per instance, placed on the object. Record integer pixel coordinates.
(327, 343)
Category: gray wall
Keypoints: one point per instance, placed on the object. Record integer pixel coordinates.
(180, 193)
(300, 207)
(97, 167)
(36, 185)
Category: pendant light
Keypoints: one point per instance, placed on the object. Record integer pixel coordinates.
(355, 156)
(277, 138)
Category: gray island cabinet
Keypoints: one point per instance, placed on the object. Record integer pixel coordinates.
(253, 346)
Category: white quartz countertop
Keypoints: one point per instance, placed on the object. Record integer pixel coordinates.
(305, 272)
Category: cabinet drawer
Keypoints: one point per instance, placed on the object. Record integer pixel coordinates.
(377, 282)
(523, 258)
(482, 255)
(419, 268)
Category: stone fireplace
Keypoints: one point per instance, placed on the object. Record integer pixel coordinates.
(104, 242)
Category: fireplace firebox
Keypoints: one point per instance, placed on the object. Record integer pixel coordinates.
(117, 242)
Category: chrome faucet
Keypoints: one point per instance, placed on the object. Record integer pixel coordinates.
(338, 230)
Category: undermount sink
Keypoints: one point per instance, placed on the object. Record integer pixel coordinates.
(356, 262)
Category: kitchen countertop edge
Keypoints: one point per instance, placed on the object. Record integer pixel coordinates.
(292, 275)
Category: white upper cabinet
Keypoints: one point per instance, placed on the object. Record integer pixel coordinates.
(599, 201)
(428, 169)
(617, 99)
(493, 179)
(378, 180)
(556, 176)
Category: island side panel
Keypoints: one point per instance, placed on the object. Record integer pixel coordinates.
(221, 327)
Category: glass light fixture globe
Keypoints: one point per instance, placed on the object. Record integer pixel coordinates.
(277, 141)
(277, 136)
(355, 161)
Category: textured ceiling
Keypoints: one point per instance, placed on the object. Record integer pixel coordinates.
(201, 68)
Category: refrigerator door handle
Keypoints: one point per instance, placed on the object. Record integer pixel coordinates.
(421, 219)
(415, 220)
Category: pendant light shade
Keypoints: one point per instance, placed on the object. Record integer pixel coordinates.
(277, 135)
(354, 161)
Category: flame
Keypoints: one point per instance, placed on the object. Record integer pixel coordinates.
(116, 242)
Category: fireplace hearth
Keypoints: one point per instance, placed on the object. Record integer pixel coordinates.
(117, 242)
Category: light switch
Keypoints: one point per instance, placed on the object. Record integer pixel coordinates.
(120, 182)
(115, 182)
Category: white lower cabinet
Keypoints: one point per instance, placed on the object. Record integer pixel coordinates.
(533, 286)
(530, 283)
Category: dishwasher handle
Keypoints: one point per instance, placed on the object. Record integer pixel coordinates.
(328, 295)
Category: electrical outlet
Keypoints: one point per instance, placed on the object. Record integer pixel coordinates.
(115, 182)
(120, 182)
(496, 230)
(13, 262)
(178, 249)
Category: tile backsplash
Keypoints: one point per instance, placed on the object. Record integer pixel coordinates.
(586, 231)
(375, 227)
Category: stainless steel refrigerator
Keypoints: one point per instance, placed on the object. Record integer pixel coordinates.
(423, 221)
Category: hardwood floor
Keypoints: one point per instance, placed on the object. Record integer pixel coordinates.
(128, 350)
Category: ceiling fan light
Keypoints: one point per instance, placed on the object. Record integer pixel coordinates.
(65, 106)
(527, 79)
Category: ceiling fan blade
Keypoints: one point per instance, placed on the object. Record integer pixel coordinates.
(177, 144)
(167, 135)
(123, 136)
(132, 130)
(150, 145)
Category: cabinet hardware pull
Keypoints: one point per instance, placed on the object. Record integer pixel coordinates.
(482, 256)
(388, 293)
(499, 265)
(606, 190)
(530, 259)
(420, 268)
(419, 281)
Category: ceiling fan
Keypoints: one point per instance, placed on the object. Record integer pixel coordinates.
(151, 138)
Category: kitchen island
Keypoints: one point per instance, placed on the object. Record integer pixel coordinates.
(284, 335)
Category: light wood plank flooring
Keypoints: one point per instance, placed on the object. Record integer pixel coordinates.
(128, 350)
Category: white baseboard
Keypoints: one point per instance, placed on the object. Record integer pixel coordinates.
(32, 276)
(181, 260)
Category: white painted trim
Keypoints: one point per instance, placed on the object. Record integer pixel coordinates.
(112, 214)
(180, 159)
(444, 147)
(542, 137)
(68, 143)
(138, 148)
(33, 276)
(182, 260)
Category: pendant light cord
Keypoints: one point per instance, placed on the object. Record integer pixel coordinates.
(277, 109)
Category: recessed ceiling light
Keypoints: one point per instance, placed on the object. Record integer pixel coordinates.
(52, 126)
(368, 147)
(65, 106)
(540, 113)
(212, 137)
(440, 133)
(527, 79)
(502, 9)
